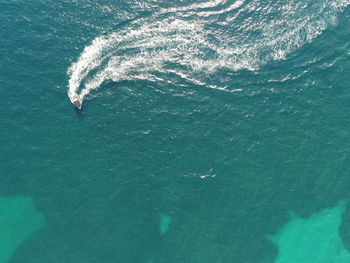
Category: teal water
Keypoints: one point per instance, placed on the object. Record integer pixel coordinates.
(205, 126)
(315, 239)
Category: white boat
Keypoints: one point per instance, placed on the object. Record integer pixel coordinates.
(76, 102)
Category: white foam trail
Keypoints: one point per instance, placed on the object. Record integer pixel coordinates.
(198, 6)
(197, 9)
(90, 59)
(232, 7)
(151, 48)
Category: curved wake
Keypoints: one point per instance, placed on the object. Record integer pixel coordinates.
(191, 43)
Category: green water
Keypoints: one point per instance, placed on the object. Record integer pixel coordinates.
(164, 223)
(18, 219)
(204, 125)
(313, 239)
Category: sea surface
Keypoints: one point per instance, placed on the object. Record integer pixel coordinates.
(212, 131)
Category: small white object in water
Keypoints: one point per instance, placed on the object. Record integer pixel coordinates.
(76, 101)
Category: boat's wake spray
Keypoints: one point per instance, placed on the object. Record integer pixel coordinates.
(222, 35)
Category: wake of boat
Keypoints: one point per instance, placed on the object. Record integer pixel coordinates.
(191, 43)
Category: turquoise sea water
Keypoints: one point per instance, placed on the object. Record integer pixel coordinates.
(211, 131)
